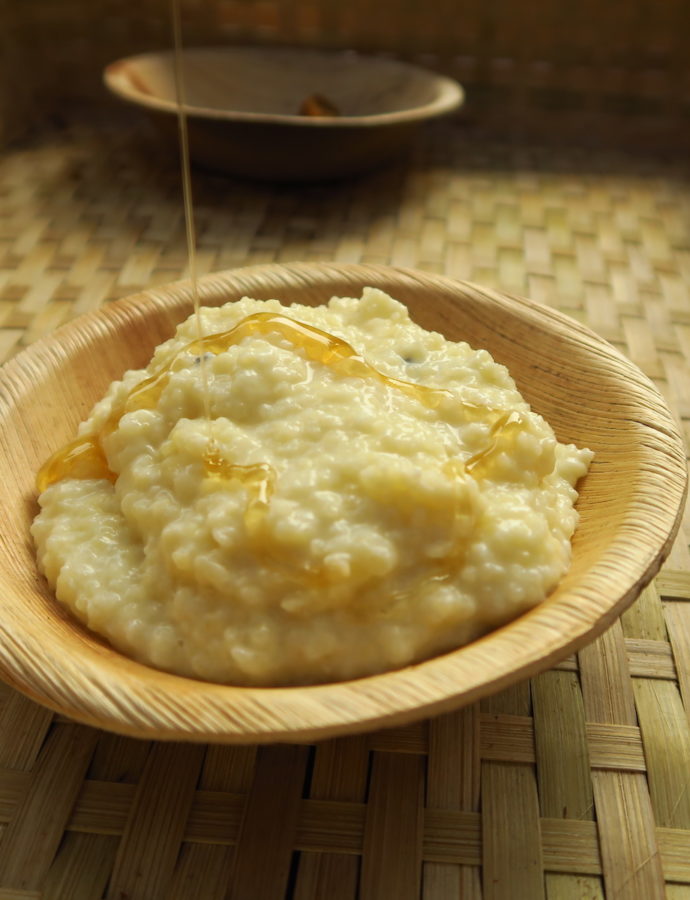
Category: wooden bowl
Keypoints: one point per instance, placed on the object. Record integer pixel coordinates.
(630, 506)
(243, 107)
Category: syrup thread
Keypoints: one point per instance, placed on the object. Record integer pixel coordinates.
(187, 196)
(85, 456)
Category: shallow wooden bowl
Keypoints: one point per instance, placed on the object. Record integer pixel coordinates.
(630, 505)
(243, 107)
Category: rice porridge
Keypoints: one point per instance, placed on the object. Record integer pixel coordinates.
(364, 495)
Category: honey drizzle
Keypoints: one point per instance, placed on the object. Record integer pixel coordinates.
(506, 425)
(85, 457)
(258, 478)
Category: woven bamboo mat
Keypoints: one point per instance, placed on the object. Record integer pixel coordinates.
(573, 785)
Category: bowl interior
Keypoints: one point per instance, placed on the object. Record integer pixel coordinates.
(630, 504)
(274, 82)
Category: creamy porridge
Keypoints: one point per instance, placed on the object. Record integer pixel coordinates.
(366, 494)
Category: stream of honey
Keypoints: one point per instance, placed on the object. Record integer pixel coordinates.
(185, 164)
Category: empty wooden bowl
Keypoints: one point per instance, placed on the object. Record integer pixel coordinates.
(630, 504)
(243, 106)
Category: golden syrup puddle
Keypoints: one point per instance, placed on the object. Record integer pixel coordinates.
(85, 457)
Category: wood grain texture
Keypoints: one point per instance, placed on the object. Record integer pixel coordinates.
(453, 782)
(563, 764)
(155, 826)
(35, 831)
(631, 859)
(340, 772)
(267, 833)
(630, 506)
(393, 830)
(513, 868)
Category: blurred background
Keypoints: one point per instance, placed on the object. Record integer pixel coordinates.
(535, 67)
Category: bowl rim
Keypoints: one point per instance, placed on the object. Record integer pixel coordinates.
(451, 95)
(260, 715)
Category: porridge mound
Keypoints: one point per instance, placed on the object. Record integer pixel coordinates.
(365, 494)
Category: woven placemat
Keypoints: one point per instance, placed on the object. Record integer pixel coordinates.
(572, 785)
